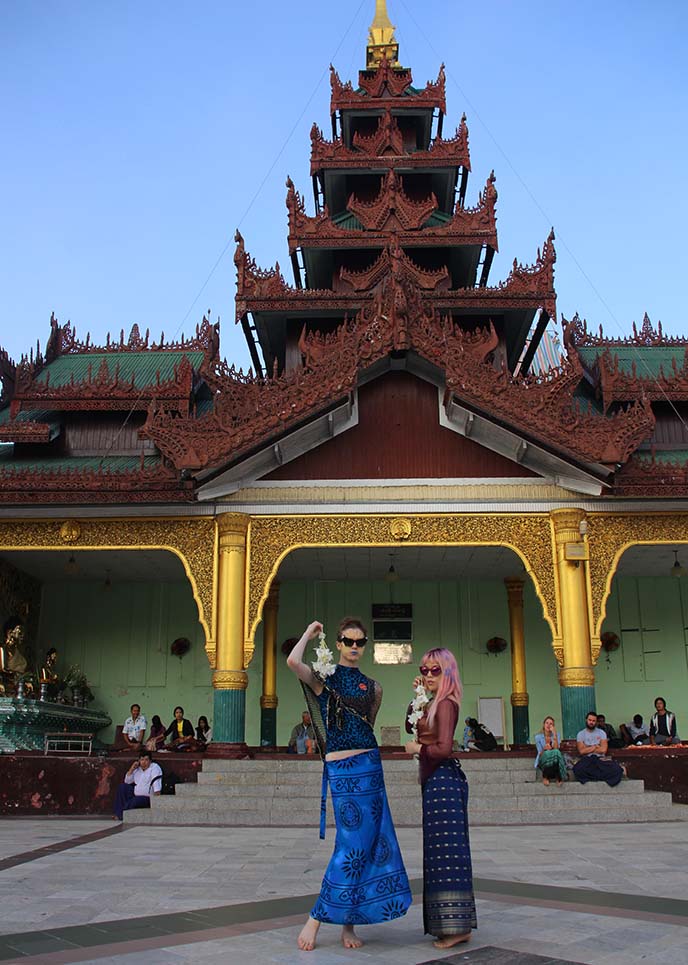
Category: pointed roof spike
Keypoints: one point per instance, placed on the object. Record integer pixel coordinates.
(382, 44)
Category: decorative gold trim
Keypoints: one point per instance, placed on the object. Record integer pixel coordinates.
(70, 531)
(193, 540)
(520, 700)
(271, 538)
(269, 701)
(577, 677)
(609, 537)
(230, 680)
(400, 528)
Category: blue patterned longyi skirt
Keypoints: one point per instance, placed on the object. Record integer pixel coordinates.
(448, 902)
(365, 881)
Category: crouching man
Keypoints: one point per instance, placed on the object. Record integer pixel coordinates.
(141, 780)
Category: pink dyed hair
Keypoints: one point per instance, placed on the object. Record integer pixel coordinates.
(450, 682)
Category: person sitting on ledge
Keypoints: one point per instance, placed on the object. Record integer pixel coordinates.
(301, 735)
(204, 732)
(612, 739)
(181, 731)
(549, 758)
(134, 729)
(157, 734)
(663, 724)
(594, 765)
(141, 780)
(636, 732)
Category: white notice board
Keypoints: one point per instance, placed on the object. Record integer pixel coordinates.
(491, 714)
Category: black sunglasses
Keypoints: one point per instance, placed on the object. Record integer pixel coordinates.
(348, 642)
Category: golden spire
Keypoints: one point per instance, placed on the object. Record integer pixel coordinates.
(381, 40)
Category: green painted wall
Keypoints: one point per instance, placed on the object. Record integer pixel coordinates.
(121, 638)
(459, 616)
(650, 616)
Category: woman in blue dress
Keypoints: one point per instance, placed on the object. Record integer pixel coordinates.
(365, 881)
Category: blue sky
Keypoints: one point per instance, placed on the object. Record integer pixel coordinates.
(137, 136)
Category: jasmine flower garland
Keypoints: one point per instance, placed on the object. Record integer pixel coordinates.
(418, 705)
(324, 666)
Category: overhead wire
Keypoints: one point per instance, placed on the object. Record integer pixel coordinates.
(243, 217)
(560, 238)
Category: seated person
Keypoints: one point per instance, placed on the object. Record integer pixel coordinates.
(301, 735)
(204, 732)
(141, 780)
(468, 734)
(594, 765)
(636, 732)
(134, 729)
(181, 732)
(549, 758)
(483, 739)
(612, 739)
(663, 724)
(157, 734)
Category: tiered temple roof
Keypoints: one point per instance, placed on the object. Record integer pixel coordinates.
(391, 272)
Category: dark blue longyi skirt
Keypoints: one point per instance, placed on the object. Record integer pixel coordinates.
(365, 881)
(448, 902)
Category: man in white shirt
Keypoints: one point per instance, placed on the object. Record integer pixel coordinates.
(143, 779)
(134, 728)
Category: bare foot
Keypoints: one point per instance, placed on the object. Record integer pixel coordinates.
(349, 937)
(308, 934)
(452, 940)
(559, 782)
(545, 781)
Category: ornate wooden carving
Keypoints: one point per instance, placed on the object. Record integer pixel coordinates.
(260, 290)
(387, 82)
(386, 139)
(102, 390)
(451, 152)
(642, 477)
(251, 412)
(33, 432)
(7, 376)
(576, 334)
(394, 262)
(618, 385)
(142, 485)
(63, 341)
(392, 211)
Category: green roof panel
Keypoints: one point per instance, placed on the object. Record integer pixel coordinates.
(143, 365)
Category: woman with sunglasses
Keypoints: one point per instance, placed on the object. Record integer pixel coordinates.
(448, 903)
(365, 881)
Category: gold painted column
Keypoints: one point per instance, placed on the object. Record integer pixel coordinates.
(268, 700)
(519, 687)
(230, 678)
(576, 675)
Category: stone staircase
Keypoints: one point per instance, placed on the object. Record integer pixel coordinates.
(503, 790)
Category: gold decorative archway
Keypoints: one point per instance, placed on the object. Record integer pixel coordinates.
(193, 540)
(271, 538)
(609, 536)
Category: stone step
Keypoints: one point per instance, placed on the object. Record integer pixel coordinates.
(405, 791)
(201, 815)
(469, 764)
(312, 777)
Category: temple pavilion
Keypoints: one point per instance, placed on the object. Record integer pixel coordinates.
(394, 452)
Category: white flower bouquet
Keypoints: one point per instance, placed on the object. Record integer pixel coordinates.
(418, 705)
(324, 666)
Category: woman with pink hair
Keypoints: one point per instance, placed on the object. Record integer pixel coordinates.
(448, 902)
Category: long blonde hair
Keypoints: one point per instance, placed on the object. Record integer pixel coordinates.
(548, 717)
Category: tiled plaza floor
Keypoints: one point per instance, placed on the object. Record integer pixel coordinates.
(612, 894)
